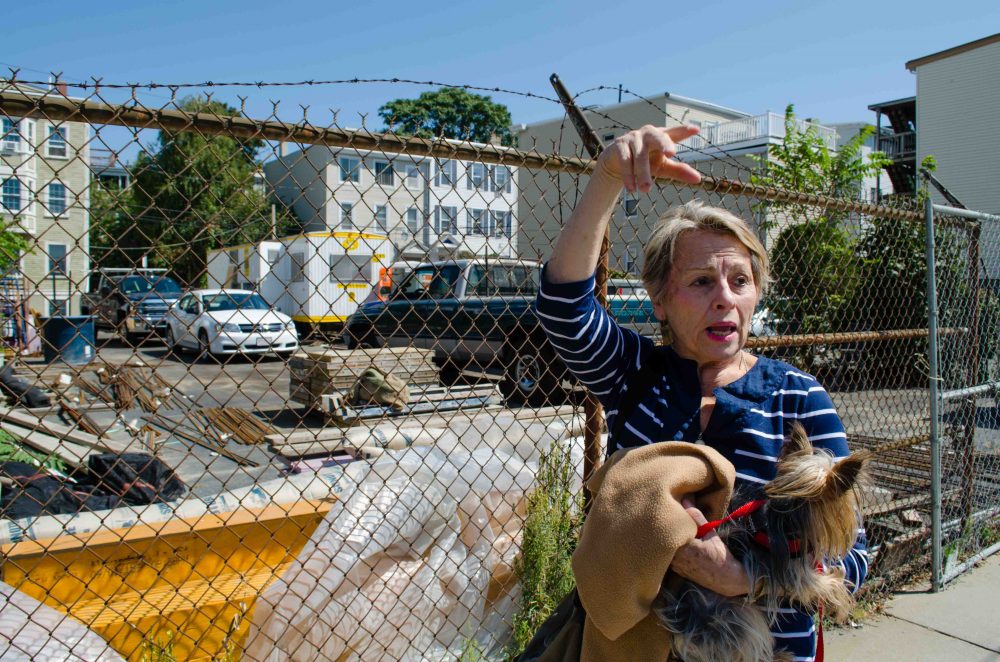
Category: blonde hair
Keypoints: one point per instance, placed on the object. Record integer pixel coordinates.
(658, 255)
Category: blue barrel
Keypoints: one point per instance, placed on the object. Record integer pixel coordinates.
(69, 339)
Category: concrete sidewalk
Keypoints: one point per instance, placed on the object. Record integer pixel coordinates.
(960, 623)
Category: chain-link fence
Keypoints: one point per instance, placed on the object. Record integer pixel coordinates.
(278, 391)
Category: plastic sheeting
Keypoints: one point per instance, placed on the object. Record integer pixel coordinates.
(31, 631)
(414, 561)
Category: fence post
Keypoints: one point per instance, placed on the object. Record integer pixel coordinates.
(932, 360)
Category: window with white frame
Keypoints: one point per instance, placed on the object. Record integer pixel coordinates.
(501, 224)
(57, 259)
(10, 196)
(476, 221)
(412, 219)
(350, 169)
(412, 171)
(346, 215)
(447, 173)
(57, 145)
(298, 267)
(500, 179)
(381, 217)
(445, 219)
(477, 176)
(631, 206)
(10, 135)
(55, 203)
(59, 307)
(384, 174)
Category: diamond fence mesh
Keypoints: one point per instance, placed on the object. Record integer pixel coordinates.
(277, 391)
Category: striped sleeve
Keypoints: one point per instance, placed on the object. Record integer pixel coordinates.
(594, 348)
(819, 417)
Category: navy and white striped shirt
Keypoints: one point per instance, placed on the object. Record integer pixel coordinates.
(747, 426)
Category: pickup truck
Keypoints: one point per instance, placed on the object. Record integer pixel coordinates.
(131, 301)
(478, 315)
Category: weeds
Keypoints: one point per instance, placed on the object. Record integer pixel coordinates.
(551, 532)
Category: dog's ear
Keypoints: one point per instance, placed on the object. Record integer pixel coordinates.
(796, 441)
(846, 474)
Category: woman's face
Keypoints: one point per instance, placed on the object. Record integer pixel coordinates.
(709, 298)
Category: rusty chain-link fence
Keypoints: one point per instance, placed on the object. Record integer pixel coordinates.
(277, 390)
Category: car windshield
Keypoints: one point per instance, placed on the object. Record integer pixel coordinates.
(234, 301)
(142, 285)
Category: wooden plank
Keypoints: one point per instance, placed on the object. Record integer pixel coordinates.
(61, 431)
(72, 454)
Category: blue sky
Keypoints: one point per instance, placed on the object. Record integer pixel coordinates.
(831, 59)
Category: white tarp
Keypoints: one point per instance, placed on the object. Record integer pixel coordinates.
(31, 631)
(401, 567)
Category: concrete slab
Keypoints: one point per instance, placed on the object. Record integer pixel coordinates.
(966, 609)
(890, 638)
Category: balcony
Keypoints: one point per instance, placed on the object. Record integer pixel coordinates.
(752, 131)
(899, 146)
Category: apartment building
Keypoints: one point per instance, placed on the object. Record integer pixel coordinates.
(44, 196)
(428, 207)
(726, 147)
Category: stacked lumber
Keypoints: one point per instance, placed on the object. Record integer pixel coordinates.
(239, 424)
(319, 371)
(72, 445)
(423, 400)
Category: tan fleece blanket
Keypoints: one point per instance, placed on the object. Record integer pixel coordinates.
(636, 523)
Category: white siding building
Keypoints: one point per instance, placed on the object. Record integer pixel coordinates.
(426, 206)
(45, 195)
(958, 103)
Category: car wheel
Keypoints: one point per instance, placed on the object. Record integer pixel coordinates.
(171, 342)
(531, 374)
(204, 348)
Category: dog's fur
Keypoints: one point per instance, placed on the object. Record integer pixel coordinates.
(812, 500)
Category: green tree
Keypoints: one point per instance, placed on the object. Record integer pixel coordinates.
(815, 266)
(12, 246)
(193, 193)
(449, 112)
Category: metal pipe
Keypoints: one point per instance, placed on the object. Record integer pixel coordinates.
(14, 103)
(932, 359)
(970, 391)
(969, 562)
(965, 213)
(808, 339)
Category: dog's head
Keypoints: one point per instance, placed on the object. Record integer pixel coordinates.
(814, 498)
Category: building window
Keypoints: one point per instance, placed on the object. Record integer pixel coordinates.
(412, 220)
(56, 194)
(381, 217)
(475, 222)
(350, 169)
(631, 206)
(384, 174)
(412, 175)
(477, 176)
(346, 215)
(11, 196)
(350, 268)
(447, 173)
(446, 220)
(59, 307)
(501, 224)
(56, 146)
(500, 179)
(10, 136)
(298, 265)
(57, 259)
(608, 137)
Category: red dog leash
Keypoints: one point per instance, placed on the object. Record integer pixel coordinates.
(761, 538)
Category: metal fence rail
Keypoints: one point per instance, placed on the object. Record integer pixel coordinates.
(278, 389)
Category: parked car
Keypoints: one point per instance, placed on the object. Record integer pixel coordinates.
(479, 314)
(221, 322)
(131, 301)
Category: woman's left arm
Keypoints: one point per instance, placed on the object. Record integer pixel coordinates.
(825, 429)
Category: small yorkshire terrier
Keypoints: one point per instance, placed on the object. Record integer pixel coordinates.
(782, 534)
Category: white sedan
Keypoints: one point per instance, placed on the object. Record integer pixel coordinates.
(220, 322)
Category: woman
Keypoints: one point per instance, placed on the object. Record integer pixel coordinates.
(705, 271)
